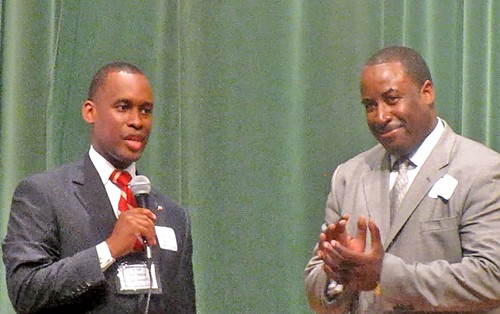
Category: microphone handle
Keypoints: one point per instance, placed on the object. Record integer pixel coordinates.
(142, 200)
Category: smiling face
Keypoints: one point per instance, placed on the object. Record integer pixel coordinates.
(121, 117)
(399, 113)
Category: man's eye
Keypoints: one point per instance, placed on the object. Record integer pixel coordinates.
(392, 100)
(122, 106)
(369, 105)
(147, 110)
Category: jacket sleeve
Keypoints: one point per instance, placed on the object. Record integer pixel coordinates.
(38, 278)
(316, 280)
(184, 300)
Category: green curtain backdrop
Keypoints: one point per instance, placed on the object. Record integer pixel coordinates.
(256, 103)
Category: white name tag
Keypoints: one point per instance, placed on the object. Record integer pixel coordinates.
(166, 238)
(444, 187)
(135, 278)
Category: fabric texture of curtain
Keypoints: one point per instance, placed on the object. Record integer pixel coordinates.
(256, 102)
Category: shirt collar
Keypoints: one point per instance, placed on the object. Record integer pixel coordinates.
(104, 167)
(424, 150)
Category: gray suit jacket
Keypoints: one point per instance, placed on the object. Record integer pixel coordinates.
(442, 252)
(56, 220)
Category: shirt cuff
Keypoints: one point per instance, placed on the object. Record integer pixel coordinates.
(104, 254)
(333, 289)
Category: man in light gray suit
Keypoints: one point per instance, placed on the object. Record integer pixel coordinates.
(424, 237)
(72, 239)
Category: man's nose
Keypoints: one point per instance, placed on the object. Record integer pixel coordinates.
(136, 119)
(383, 112)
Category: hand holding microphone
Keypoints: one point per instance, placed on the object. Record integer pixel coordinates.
(135, 223)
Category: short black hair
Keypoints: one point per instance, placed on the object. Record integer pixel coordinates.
(413, 63)
(100, 76)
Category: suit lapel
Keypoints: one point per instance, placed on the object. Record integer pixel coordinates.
(93, 196)
(376, 189)
(432, 169)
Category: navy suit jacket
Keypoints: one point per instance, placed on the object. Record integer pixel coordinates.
(57, 218)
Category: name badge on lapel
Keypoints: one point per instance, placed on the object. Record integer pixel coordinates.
(166, 238)
(444, 187)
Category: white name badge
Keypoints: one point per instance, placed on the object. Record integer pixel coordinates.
(136, 279)
(444, 187)
(166, 238)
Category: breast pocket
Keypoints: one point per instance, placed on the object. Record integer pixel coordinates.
(441, 224)
(441, 237)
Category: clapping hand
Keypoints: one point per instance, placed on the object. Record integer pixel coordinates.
(345, 257)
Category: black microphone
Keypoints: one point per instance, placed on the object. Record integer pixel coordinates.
(141, 187)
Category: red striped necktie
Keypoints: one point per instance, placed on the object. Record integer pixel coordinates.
(122, 179)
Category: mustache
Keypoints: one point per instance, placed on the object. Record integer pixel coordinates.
(381, 128)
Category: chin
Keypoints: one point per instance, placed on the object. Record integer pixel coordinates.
(134, 157)
(130, 158)
(395, 149)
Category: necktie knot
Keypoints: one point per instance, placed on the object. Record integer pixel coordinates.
(402, 163)
(120, 178)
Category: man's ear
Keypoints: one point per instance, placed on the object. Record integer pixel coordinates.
(427, 92)
(89, 112)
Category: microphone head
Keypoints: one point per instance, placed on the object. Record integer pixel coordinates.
(140, 185)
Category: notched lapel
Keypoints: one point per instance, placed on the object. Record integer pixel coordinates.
(376, 189)
(94, 198)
